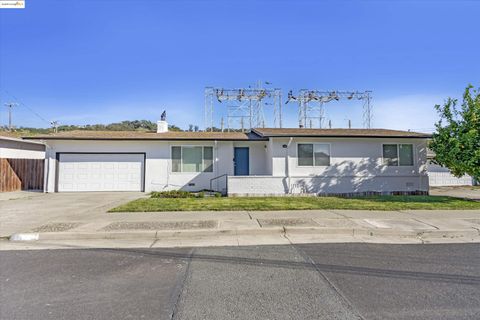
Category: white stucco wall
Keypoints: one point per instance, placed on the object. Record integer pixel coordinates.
(21, 150)
(348, 157)
(257, 156)
(278, 186)
(356, 165)
(158, 173)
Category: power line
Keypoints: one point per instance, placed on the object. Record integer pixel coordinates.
(25, 106)
(10, 106)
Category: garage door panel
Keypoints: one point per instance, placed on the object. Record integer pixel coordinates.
(100, 172)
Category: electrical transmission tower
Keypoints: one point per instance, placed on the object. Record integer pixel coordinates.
(10, 106)
(311, 103)
(245, 107)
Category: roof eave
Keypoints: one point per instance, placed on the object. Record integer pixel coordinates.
(145, 139)
(344, 136)
(24, 140)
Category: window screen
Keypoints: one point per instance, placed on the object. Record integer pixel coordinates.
(406, 154)
(176, 159)
(191, 159)
(322, 154)
(208, 159)
(310, 154)
(390, 154)
(305, 154)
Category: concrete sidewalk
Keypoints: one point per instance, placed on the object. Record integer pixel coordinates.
(465, 192)
(177, 229)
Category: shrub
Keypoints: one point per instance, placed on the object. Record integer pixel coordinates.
(172, 194)
(184, 194)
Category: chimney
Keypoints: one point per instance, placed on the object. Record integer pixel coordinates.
(162, 125)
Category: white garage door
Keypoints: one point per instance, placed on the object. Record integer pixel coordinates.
(100, 172)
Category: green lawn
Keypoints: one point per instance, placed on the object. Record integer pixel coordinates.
(297, 203)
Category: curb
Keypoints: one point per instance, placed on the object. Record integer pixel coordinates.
(150, 234)
(24, 237)
(199, 233)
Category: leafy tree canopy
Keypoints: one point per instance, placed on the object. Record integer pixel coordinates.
(135, 125)
(456, 141)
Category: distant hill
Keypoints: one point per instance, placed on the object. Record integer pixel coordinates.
(135, 125)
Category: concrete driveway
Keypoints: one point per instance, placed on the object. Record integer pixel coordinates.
(466, 192)
(26, 210)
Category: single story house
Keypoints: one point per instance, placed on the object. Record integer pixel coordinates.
(264, 161)
(16, 148)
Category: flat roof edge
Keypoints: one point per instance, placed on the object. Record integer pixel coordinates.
(24, 140)
(145, 139)
(344, 136)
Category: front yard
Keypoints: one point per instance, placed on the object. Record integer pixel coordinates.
(297, 203)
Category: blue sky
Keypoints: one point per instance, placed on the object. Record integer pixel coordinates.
(86, 61)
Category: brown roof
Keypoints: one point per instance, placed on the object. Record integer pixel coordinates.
(139, 135)
(256, 134)
(350, 133)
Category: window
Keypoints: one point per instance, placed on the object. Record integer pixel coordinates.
(390, 154)
(313, 154)
(192, 159)
(398, 154)
(305, 154)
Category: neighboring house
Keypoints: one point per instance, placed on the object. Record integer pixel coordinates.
(15, 148)
(21, 164)
(440, 176)
(261, 162)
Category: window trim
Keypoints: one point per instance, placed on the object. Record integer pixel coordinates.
(181, 159)
(398, 154)
(313, 156)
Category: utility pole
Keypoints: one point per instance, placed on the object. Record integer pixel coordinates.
(10, 106)
(54, 126)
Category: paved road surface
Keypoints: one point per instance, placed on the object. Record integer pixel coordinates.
(314, 281)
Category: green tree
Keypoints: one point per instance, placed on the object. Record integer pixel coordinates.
(456, 142)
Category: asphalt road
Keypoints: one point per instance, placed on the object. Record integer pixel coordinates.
(314, 281)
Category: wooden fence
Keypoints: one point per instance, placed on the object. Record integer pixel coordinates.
(21, 174)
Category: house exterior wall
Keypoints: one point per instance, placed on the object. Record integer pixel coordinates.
(158, 166)
(257, 156)
(356, 166)
(11, 149)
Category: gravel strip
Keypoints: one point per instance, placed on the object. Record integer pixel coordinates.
(151, 225)
(57, 227)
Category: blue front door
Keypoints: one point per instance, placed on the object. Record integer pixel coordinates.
(241, 161)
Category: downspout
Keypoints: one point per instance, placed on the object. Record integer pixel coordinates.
(215, 165)
(425, 165)
(287, 165)
(169, 166)
(46, 172)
